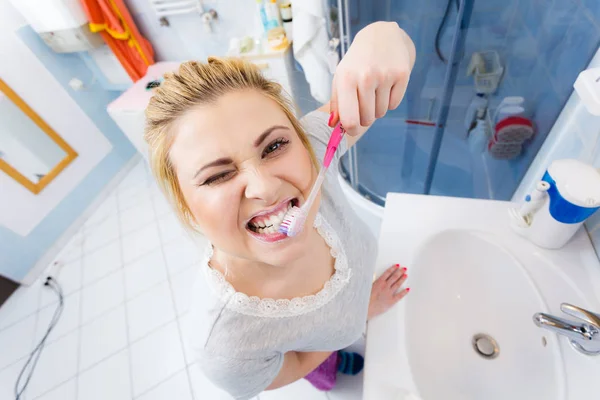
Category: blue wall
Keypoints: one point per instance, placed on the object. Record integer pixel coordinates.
(543, 45)
(19, 254)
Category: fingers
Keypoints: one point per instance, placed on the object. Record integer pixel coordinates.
(382, 100)
(400, 295)
(388, 272)
(398, 283)
(397, 94)
(333, 105)
(347, 100)
(398, 273)
(366, 101)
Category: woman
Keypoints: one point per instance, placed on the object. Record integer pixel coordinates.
(229, 153)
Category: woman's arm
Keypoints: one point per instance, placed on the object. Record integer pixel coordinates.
(297, 365)
(371, 78)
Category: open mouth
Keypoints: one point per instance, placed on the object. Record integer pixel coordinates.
(267, 224)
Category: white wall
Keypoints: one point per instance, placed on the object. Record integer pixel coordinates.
(21, 210)
(185, 38)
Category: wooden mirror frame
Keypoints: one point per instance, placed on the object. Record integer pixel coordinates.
(16, 175)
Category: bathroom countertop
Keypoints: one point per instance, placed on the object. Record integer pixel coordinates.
(409, 220)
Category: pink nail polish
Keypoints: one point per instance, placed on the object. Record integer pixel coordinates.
(404, 269)
(407, 289)
(397, 265)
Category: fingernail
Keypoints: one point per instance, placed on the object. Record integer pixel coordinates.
(331, 114)
(407, 289)
(404, 269)
(397, 265)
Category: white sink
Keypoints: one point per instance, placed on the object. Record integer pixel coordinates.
(474, 280)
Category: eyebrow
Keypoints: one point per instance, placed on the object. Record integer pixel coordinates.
(266, 133)
(226, 161)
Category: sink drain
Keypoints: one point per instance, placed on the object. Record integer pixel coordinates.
(486, 346)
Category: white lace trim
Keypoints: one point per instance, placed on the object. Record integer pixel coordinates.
(272, 308)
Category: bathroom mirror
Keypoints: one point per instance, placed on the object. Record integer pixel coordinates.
(30, 151)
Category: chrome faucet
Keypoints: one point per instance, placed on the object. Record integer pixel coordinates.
(583, 334)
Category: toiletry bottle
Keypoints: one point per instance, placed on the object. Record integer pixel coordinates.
(286, 19)
(262, 14)
(272, 11)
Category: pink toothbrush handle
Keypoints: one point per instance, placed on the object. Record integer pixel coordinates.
(334, 142)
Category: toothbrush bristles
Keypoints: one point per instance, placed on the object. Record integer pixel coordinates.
(293, 222)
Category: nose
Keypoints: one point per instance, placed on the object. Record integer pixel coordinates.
(262, 185)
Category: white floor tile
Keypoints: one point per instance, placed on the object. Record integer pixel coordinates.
(170, 228)
(16, 341)
(134, 218)
(150, 310)
(133, 196)
(299, 390)
(103, 337)
(105, 210)
(138, 175)
(57, 364)
(66, 391)
(69, 276)
(102, 295)
(205, 389)
(8, 377)
(182, 285)
(48, 295)
(347, 388)
(177, 387)
(156, 357)
(108, 380)
(101, 262)
(185, 325)
(140, 242)
(69, 319)
(101, 234)
(144, 273)
(73, 249)
(181, 254)
(22, 303)
(161, 205)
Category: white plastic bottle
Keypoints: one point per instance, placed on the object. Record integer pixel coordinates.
(261, 13)
(272, 11)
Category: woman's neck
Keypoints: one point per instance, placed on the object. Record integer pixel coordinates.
(278, 281)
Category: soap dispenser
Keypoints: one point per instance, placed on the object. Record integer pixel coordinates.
(567, 195)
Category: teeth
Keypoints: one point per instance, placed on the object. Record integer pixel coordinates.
(273, 220)
(271, 224)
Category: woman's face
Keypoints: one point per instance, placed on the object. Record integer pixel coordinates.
(240, 165)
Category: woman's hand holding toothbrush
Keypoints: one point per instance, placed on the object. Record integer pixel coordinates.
(371, 78)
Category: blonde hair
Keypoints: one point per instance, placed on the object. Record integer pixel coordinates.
(192, 85)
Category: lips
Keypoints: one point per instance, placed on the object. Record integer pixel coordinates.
(268, 221)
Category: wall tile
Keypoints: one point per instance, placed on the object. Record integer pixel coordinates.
(556, 24)
(574, 52)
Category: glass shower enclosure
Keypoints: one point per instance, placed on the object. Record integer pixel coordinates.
(479, 63)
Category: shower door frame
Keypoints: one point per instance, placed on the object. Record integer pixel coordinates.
(463, 19)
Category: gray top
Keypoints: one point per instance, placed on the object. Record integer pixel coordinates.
(239, 341)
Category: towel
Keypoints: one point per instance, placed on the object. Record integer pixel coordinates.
(311, 44)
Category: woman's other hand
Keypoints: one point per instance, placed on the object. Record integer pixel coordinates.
(372, 77)
(387, 290)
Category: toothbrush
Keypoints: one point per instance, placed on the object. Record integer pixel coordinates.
(294, 220)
